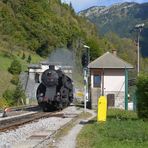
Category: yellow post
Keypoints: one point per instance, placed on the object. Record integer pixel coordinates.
(102, 108)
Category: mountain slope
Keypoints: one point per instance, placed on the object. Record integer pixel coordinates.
(121, 19)
(40, 26)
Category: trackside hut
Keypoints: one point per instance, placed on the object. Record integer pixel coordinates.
(107, 77)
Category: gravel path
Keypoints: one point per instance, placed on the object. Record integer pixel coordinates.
(19, 137)
(69, 141)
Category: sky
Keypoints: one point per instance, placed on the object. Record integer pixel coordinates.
(79, 5)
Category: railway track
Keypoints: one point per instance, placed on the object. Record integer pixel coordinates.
(39, 130)
(15, 122)
(24, 108)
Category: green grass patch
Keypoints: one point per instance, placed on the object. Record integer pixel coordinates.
(121, 130)
(6, 59)
(5, 62)
(5, 81)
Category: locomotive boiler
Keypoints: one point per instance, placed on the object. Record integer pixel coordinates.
(55, 90)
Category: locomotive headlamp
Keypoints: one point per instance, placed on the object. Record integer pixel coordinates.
(58, 94)
(49, 74)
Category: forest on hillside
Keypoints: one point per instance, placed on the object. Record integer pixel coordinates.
(42, 26)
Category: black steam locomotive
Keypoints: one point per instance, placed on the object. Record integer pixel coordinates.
(55, 90)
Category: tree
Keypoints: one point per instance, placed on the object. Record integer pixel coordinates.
(95, 50)
(23, 56)
(3, 102)
(19, 94)
(15, 67)
(43, 50)
(29, 59)
(71, 7)
(15, 97)
(5, 1)
(142, 96)
(15, 79)
(8, 96)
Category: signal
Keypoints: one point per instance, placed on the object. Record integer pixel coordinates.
(84, 59)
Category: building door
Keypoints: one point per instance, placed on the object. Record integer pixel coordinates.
(111, 100)
(96, 89)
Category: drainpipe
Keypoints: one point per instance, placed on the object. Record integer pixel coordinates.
(103, 82)
(126, 88)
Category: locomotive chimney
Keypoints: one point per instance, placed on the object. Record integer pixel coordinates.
(52, 67)
(114, 52)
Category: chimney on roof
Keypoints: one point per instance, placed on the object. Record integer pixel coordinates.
(114, 52)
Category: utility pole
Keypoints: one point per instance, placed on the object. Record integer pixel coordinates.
(85, 62)
(138, 28)
(138, 54)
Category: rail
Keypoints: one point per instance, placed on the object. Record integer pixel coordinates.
(15, 122)
(24, 107)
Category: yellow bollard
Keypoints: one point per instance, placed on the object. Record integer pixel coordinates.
(102, 108)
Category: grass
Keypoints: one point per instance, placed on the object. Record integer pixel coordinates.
(6, 59)
(5, 78)
(121, 130)
(5, 62)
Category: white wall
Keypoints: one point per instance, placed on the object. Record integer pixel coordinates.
(114, 83)
(114, 80)
(67, 70)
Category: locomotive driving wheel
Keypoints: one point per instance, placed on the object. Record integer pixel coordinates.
(64, 96)
(64, 92)
(60, 106)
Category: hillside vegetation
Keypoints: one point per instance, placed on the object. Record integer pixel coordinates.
(43, 26)
(36, 25)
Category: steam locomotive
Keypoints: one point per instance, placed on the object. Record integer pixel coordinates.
(55, 90)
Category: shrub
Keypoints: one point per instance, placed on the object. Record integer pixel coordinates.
(19, 94)
(29, 59)
(3, 103)
(23, 56)
(15, 79)
(142, 96)
(8, 96)
(15, 97)
(43, 50)
(15, 67)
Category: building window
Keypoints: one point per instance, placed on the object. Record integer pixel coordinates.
(97, 81)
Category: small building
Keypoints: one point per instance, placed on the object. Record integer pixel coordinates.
(107, 77)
